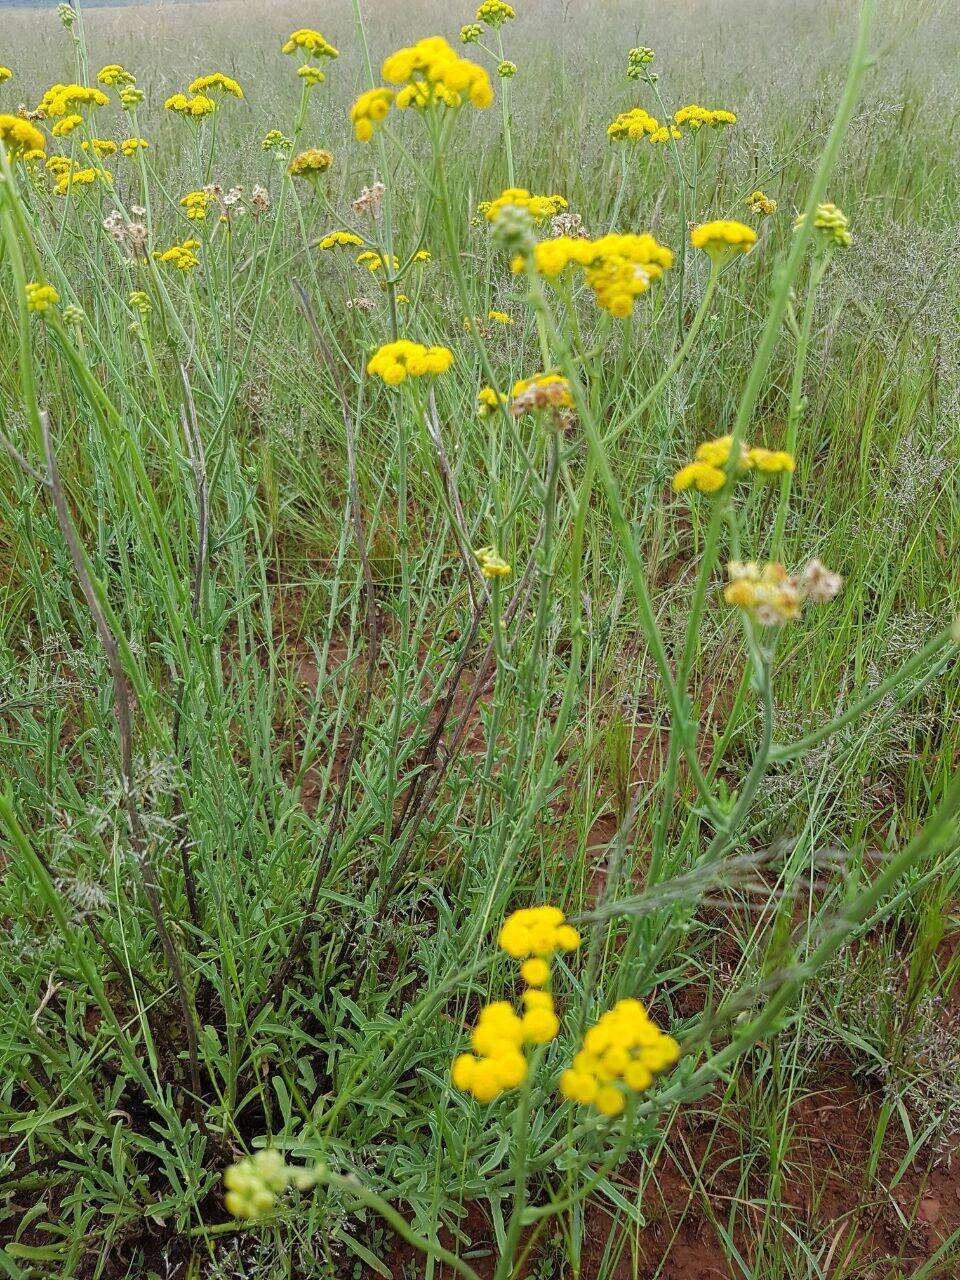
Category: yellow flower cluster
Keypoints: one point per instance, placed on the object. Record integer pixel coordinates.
(488, 400)
(707, 472)
(626, 1049)
(63, 98)
(694, 117)
(5, 74)
(196, 204)
(254, 1183)
(182, 256)
(130, 146)
(58, 165)
(499, 317)
(195, 109)
(760, 204)
(310, 164)
(66, 125)
(100, 147)
(216, 82)
(373, 261)
(723, 240)
(312, 43)
(633, 125)
(396, 361)
(20, 136)
(70, 178)
(495, 13)
(832, 223)
(40, 297)
(533, 934)
(369, 110)
(276, 141)
(498, 1062)
(340, 240)
(491, 564)
(616, 267)
(771, 596)
(436, 65)
(542, 391)
(114, 74)
(539, 207)
(140, 301)
(311, 75)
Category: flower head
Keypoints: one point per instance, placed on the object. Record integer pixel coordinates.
(542, 391)
(182, 256)
(100, 147)
(708, 472)
(637, 62)
(130, 146)
(71, 178)
(66, 125)
(254, 1183)
(310, 164)
(396, 361)
(538, 207)
(506, 69)
(215, 84)
(491, 564)
(276, 141)
(771, 596)
(40, 297)
(19, 136)
(537, 931)
(633, 126)
(114, 74)
(435, 73)
(488, 401)
(5, 74)
(760, 204)
(695, 117)
(369, 110)
(495, 13)
(723, 240)
(340, 240)
(311, 43)
(471, 33)
(196, 204)
(64, 99)
(311, 75)
(195, 109)
(618, 268)
(832, 224)
(623, 1052)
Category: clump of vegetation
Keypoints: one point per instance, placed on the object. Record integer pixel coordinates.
(399, 559)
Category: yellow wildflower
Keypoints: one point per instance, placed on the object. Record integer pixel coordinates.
(5, 74)
(310, 164)
(631, 126)
(216, 82)
(539, 207)
(695, 117)
(195, 109)
(542, 391)
(396, 361)
(20, 136)
(488, 400)
(491, 564)
(81, 178)
(100, 147)
(495, 13)
(435, 67)
(114, 74)
(500, 317)
(182, 256)
(832, 223)
(537, 931)
(196, 204)
(66, 125)
(254, 1183)
(40, 297)
(723, 240)
(625, 1050)
(311, 75)
(130, 146)
(760, 204)
(64, 99)
(369, 110)
(340, 240)
(58, 165)
(312, 43)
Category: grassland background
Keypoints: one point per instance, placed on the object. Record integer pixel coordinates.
(824, 1152)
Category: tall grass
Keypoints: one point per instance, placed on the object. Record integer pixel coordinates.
(278, 760)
